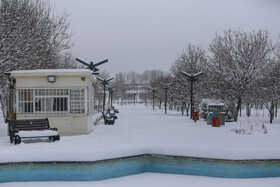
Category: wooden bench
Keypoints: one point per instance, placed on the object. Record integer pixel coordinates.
(108, 119)
(31, 128)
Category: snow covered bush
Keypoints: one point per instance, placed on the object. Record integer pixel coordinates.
(230, 112)
(249, 127)
(204, 111)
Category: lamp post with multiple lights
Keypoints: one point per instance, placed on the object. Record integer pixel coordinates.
(165, 87)
(192, 78)
(104, 82)
(153, 91)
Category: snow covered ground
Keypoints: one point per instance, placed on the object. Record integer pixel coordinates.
(158, 180)
(140, 130)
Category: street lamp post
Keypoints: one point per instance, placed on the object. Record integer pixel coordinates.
(91, 65)
(154, 91)
(192, 79)
(111, 90)
(104, 82)
(134, 97)
(166, 87)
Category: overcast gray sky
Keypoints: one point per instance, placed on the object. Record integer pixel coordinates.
(149, 34)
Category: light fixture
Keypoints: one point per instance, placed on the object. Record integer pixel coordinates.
(51, 78)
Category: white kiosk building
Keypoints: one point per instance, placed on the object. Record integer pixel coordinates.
(64, 96)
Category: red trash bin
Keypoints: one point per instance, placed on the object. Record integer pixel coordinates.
(216, 122)
(195, 116)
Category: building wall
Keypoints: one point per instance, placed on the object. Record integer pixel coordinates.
(62, 81)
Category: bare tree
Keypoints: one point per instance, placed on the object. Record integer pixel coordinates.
(120, 86)
(269, 91)
(237, 61)
(192, 60)
(31, 37)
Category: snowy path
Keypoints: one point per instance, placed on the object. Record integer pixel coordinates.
(139, 130)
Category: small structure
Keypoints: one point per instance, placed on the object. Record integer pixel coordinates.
(64, 96)
(216, 110)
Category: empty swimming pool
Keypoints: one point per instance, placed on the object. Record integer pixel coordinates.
(111, 168)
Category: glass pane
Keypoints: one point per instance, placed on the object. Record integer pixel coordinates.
(20, 108)
(51, 104)
(60, 104)
(38, 105)
(20, 95)
(77, 101)
(28, 107)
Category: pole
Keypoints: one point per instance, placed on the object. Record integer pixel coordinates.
(111, 98)
(104, 98)
(191, 79)
(191, 99)
(153, 99)
(165, 102)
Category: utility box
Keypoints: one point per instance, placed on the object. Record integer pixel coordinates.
(216, 110)
(64, 96)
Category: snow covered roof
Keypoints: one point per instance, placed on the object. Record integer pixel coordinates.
(53, 72)
(48, 71)
(216, 104)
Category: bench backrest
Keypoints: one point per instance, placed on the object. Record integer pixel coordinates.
(29, 124)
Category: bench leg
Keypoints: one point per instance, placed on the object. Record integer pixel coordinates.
(57, 137)
(54, 138)
(17, 139)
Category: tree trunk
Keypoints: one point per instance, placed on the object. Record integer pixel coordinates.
(187, 109)
(248, 110)
(182, 108)
(276, 110)
(171, 106)
(271, 112)
(238, 108)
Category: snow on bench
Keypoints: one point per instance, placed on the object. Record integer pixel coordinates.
(37, 133)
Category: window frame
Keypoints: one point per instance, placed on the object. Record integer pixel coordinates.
(44, 93)
(21, 94)
(84, 101)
